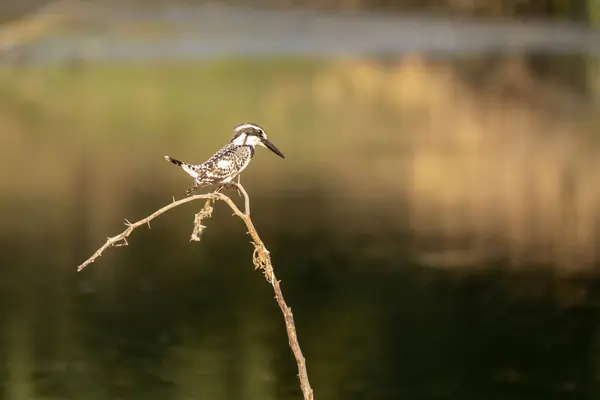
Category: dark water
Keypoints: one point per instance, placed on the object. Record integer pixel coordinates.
(165, 318)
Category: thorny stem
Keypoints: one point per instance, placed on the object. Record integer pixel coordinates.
(261, 259)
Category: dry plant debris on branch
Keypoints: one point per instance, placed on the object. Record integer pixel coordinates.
(261, 259)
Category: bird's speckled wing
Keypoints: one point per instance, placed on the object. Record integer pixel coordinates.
(224, 165)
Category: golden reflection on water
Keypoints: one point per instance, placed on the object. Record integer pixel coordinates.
(504, 171)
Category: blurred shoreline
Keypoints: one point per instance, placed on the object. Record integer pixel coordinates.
(66, 31)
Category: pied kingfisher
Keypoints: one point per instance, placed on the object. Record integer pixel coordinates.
(230, 161)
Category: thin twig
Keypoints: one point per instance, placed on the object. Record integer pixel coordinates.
(113, 241)
(261, 259)
(246, 198)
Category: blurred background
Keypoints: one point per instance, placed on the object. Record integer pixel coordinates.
(435, 224)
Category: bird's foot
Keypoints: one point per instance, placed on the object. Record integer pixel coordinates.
(190, 190)
(229, 185)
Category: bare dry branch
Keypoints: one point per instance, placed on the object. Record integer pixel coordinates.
(261, 259)
(114, 241)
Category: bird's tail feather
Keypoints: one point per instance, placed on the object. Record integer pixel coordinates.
(186, 167)
(174, 161)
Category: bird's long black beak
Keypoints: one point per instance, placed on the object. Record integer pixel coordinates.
(272, 147)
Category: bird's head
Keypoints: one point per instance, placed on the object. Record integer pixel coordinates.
(252, 135)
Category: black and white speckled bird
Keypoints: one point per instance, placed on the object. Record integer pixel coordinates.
(231, 160)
